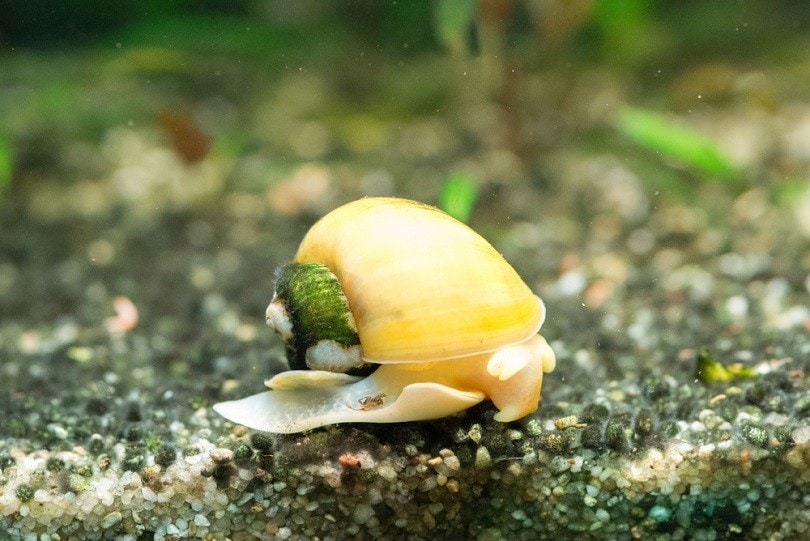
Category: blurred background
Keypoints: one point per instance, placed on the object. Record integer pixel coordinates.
(641, 162)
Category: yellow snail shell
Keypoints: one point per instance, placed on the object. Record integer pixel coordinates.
(447, 321)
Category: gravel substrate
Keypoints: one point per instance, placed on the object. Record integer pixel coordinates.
(346, 484)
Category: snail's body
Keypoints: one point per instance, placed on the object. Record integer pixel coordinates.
(447, 320)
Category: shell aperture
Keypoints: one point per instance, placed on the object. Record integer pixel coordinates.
(311, 315)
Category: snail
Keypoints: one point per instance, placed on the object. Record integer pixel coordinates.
(393, 311)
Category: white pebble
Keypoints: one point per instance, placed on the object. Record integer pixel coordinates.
(111, 519)
(362, 512)
(697, 427)
(149, 494)
(386, 471)
(452, 462)
(737, 306)
(59, 432)
(801, 435)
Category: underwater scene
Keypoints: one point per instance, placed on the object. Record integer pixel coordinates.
(405, 270)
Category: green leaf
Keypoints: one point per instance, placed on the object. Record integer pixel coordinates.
(709, 369)
(660, 134)
(457, 196)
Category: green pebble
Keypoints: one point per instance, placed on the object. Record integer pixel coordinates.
(784, 435)
(6, 460)
(54, 464)
(644, 422)
(95, 446)
(534, 427)
(135, 433)
(198, 402)
(77, 483)
(592, 436)
(191, 451)
(153, 442)
(24, 492)
(134, 458)
(223, 472)
(243, 452)
(615, 438)
(367, 475)
(16, 427)
(165, 455)
(261, 441)
(85, 470)
(593, 413)
(757, 435)
(556, 442)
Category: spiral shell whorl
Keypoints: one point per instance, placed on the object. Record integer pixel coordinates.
(421, 285)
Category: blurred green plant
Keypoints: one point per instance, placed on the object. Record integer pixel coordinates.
(658, 133)
(709, 369)
(790, 190)
(177, 37)
(623, 25)
(452, 22)
(457, 196)
(5, 166)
